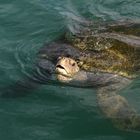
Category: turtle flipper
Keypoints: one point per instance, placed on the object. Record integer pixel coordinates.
(117, 108)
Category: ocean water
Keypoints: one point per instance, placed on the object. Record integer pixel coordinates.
(54, 112)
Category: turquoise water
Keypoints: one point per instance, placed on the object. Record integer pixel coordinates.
(54, 112)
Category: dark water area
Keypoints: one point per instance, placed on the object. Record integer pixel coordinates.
(54, 112)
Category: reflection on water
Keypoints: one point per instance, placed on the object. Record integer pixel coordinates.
(51, 111)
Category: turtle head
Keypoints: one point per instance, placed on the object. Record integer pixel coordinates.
(66, 68)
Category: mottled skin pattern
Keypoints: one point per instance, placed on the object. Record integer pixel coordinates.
(66, 68)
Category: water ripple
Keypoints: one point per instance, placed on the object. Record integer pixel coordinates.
(53, 112)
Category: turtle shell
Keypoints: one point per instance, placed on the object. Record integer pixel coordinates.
(106, 52)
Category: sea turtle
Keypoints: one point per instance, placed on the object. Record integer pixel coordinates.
(108, 84)
(108, 61)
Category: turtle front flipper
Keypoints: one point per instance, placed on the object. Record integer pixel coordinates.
(117, 108)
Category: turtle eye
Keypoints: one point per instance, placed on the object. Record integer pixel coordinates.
(73, 64)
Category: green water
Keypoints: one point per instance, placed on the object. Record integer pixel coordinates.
(54, 112)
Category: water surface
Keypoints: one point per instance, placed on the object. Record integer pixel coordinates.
(54, 112)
